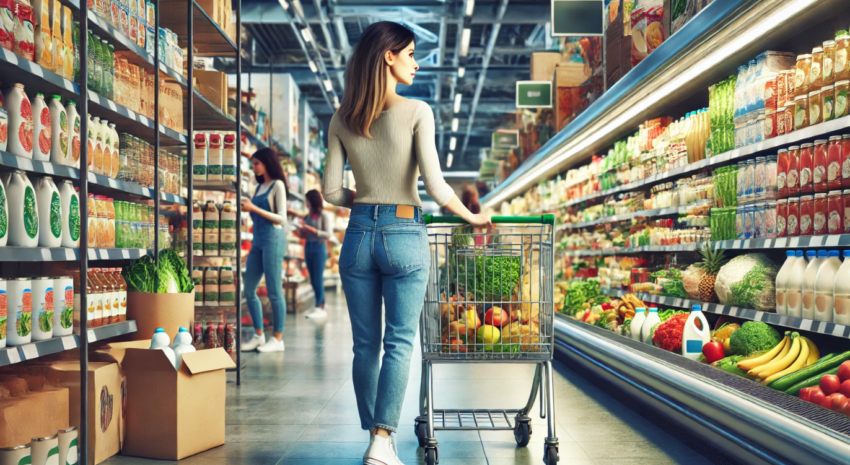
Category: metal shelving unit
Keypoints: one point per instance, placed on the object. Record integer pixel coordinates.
(625, 216)
(36, 349)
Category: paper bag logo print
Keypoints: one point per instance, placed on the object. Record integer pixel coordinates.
(106, 407)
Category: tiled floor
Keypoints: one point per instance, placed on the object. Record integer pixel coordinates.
(298, 407)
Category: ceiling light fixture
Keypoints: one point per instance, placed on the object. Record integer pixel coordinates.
(455, 124)
(457, 102)
(312, 66)
(461, 71)
(470, 7)
(464, 41)
(575, 148)
(329, 86)
(452, 143)
(284, 4)
(449, 160)
(307, 34)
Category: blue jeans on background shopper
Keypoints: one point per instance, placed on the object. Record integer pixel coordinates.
(266, 257)
(383, 257)
(316, 255)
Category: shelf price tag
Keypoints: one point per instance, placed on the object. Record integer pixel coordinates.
(69, 86)
(92, 336)
(14, 355)
(131, 113)
(37, 70)
(30, 351)
(69, 342)
(144, 120)
(125, 254)
(10, 57)
(47, 167)
(838, 330)
(111, 105)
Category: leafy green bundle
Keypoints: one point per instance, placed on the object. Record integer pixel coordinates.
(170, 277)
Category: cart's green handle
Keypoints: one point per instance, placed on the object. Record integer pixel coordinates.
(538, 219)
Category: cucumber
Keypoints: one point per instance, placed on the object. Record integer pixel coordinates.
(825, 363)
(813, 381)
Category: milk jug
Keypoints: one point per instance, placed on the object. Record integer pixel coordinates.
(841, 292)
(794, 286)
(59, 153)
(216, 153)
(23, 211)
(74, 136)
(41, 129)
(4, 216)
(199, 159)
(161, 341)
(816, 259)
(106, 144)
(694, 337)
(637, 322)
(229, 158)
(70, 201)
(825, 286)
(651, 320)
(49, 213)
(781, 282)
(182, 345)
(20, 121)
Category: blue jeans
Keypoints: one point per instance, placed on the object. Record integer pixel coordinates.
(316, 254)
(383, 258)
(266, 257)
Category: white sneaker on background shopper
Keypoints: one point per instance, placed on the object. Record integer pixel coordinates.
(318, 313)
(273, 345)
(253, 343)
(381, 452)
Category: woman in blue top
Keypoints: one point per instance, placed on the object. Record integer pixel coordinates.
(268, 210)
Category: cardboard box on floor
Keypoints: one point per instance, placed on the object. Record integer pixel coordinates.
(152, 311)
(106, 398)
(174, 414)
(33, 415)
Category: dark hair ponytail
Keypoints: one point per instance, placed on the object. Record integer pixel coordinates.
(274, 169)
(314, 198)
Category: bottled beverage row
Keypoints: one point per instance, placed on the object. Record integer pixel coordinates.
(38, 214)
(42, 32)
(214, 286)
(815, 286)
(214, 230)
(124, 224)
(215, 157)
(107, 297)
(35, 309)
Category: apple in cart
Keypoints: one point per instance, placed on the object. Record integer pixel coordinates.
(497, 316)
(489, 335)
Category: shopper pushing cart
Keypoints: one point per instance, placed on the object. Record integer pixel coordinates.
(489, 300)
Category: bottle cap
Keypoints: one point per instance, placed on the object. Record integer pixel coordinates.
(789, 253)
(643, 309)
(653, 309)
(697, 308)
(834, 253)
(799, 254)
(159, 330)
(182, 330)
(822, 254)
(811, 253)
(847, 254)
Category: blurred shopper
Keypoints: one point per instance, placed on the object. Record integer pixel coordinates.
(469, 197)
(317, 231)
(268, 210)
(387, 139)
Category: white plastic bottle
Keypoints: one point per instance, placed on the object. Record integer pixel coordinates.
(116, 159)
(41, 129)
(825, 285)
(19, 131)
(808, 285)
(161, 341)
(59, 152)
(215, 153)
(4, 214)
(96, 144)
(693, 337)
(74, 136)
(23, 211)
(781, 278)
(182, 344)
(651, 320)
(106, 145)
(794, 286)
(637, 323)
(841, 292)
(70, 201)
(49, 213)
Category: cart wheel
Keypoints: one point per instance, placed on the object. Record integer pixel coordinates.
(522, 433)
(551, 455)
(422, 433)
(431, 456)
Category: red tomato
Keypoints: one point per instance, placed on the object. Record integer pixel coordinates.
(817, 396)
(845, 388)
(806, 394)
(713, 351)
(844, 371)
(829, 384)
(838, 402)
(845, 410)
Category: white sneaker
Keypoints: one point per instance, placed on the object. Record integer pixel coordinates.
(318, 313)
(253, 343)
(273, 345)
(381, 452)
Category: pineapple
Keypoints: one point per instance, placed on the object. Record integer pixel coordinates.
(711, 262)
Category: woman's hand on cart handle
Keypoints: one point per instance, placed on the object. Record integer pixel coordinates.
(481, 220)
(478, 220)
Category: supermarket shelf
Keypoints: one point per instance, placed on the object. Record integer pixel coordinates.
(209, 39)
(261, 144)
(802, 242)
(786, 321)
(33, 350)
(741, 418)
(127, 120)
(38, 254)
(38, 167)
(132, 188)
(34, 77)
(138, 56)
(625, 216)
(209, 117)
(220, 186)
(117, 254)
(627, 250)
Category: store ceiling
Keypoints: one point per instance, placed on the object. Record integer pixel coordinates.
(492, 68)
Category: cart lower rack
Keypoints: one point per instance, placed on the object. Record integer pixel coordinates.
(489, 300)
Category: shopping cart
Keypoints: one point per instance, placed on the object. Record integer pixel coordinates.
(489, 300)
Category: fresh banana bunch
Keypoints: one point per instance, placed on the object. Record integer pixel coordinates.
(793, 353)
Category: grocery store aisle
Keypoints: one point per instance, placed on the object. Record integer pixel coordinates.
(298, 408)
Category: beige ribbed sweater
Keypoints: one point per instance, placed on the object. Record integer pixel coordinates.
(386, 167)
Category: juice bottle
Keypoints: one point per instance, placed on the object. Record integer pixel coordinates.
(108, 71)
(110, 226)
(792, 178)
(841, 292)
(820, 175)
(92, 218)
(825, 286)
(805, 168)
(102, 222)
(220, 333)
(108, 295)
(116, 157)
(122, 293)
(95, 295)
(651, 319)
(197, 230)
(834, 161)
(198, 336)
(845, 163)
(106, 148)
(781, 173)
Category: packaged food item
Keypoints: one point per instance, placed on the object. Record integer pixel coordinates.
(63, 308)
(199, 162)
(821, 211)
(198, 281)
(49, 213)
(806, 212)
(211, 289)
(792, 177)
(215, 155)
(7, 24)
(759, 230)
(41, 129)
(770, 125)
(790, 109)
(807, 167)
(227, 289)
(211, 230)
(19, 307)
(801, 112)
(770, 177)
(781, 90)
(815, 107)
(95, 296)
(815, 72)
(20, 131)
(23, 221)
(759, 184)
(770, 96)
(92, 219)
(845, 163)
(841, 91)
(24, 44)
(42, 308)
(42, 36)
(834, 162)
(770, 219)
(845, 197)
(781, 217)
(782, 162)
(829, 62)
(835, 205)
(820, 174)
(801, 76)
(828, 97)
(793, 223)
(842, 49)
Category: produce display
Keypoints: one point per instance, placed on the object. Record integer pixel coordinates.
(170, 276)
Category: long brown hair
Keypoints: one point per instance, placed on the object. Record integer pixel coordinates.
(469, 198)
(366, 79)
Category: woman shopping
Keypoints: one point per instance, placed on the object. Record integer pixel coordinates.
(268, 210)
(388, 140)
(317, 231)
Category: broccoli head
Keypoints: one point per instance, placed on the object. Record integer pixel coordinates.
(753, 337)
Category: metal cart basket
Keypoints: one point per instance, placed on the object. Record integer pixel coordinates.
(489, 300)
